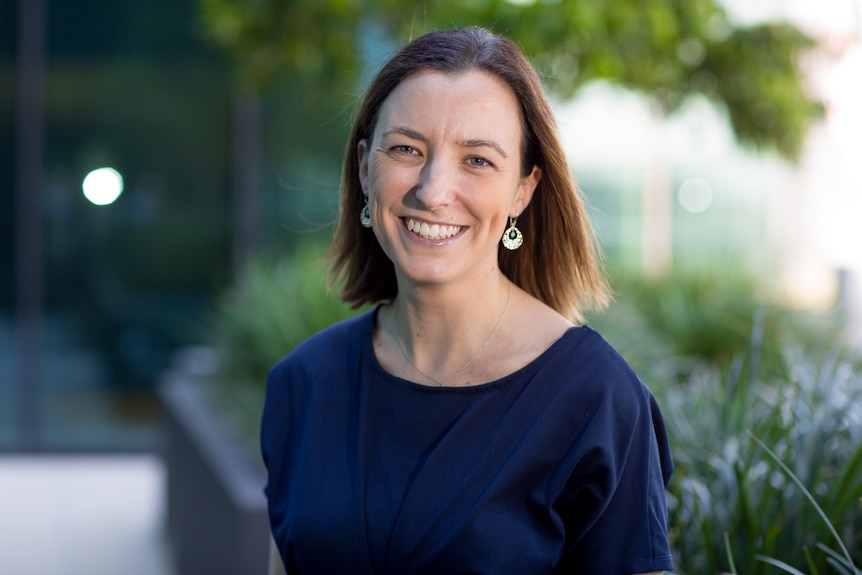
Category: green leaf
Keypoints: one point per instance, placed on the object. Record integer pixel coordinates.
(666, 49)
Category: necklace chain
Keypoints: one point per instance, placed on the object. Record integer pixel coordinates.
(469, 359)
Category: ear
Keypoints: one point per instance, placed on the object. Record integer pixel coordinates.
(362, 157)
(525, 191)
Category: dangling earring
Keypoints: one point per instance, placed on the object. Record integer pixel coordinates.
(365, 216)
(512, 237)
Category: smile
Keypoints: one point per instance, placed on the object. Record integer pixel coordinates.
(431, 231)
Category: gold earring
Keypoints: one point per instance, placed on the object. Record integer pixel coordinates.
(512, 237)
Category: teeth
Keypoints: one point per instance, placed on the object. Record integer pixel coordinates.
(433, 231)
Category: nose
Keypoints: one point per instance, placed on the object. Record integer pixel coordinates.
(437, 184)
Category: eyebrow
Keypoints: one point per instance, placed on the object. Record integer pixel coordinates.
(413, 134)
(477, 143)
(472, 143)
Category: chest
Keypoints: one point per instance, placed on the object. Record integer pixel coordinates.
(457, 486)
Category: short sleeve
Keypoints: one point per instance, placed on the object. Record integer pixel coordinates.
(617, 503)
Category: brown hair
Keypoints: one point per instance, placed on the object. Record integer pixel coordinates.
(559, 261)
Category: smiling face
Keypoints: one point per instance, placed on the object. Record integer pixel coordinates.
(442, 173)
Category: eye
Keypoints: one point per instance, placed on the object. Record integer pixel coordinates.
(404, 149)
(478, 162)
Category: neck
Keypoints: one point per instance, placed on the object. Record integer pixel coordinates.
(440, 339)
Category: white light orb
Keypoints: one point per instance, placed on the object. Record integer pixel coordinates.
(103, 186)
(695, 195)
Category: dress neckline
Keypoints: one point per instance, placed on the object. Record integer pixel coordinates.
(367, 345)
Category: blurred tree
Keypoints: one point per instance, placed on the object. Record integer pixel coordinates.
(667, 49)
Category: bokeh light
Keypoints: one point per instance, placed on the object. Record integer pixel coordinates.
(695, 195)
(103, 186)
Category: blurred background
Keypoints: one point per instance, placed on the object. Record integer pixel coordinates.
(170, 177)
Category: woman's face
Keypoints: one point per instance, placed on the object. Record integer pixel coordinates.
(442, 174)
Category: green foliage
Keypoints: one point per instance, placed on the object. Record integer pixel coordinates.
(767, 107)
(844, 559)
(688, 318)
(726, 487)
(271, 309)
(666, 49)
(731, 370)
(265, 38)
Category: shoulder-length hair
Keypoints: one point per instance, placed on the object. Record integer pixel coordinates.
(559, 262)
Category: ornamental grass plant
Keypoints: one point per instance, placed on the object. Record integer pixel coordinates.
(763, 406)
(729, 498)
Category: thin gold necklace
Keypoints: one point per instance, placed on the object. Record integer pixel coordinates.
(469, 359)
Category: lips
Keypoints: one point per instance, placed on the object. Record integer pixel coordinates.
(431, 231)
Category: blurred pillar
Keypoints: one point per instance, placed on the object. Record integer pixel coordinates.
(850, 303)
(28, 271)
(246, 178)
(657, 215)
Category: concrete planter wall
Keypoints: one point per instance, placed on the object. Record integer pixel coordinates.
(216, 511)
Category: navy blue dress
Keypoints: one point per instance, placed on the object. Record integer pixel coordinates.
(560, 467)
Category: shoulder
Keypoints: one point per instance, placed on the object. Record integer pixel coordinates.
(589, 371)
(337, 341)
(586, 351)
(622, 405)
(321, 358)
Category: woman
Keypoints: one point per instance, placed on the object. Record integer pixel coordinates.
(465, 424)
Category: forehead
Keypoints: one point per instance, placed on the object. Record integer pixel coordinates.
(441, 103)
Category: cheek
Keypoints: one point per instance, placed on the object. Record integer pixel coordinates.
(388, 182)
